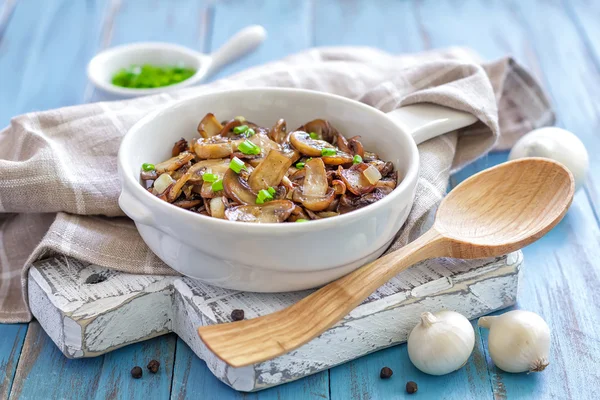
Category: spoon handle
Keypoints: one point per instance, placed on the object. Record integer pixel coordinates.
(239, 45)
(247, 342)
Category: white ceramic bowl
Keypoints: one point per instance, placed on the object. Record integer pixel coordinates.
(272, 257)
(104, 65)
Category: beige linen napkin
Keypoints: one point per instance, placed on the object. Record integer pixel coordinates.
(58, 168)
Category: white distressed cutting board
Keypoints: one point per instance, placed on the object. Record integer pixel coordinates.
(88, 310)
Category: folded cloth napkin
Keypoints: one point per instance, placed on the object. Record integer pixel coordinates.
(58, 168)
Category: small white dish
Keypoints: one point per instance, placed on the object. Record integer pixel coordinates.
(287, 256)
(103, 66)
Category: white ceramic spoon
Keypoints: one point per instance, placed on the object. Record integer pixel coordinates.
(103, 66)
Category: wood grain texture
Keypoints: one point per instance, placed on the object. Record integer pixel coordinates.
(11, 343)
(562, 272)
(494, 212)
(44, 51)
(288, 24)
(193, 380)
(362, 381)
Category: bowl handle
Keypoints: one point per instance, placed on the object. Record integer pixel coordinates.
(135, 210)
(425, 120)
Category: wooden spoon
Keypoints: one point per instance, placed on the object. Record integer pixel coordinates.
(497, 211)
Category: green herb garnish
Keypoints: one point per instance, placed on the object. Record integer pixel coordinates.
(148, 167)
(250, 132)
(237, 165)
(313, 135)
(301, 220)
(271, 190)
(238, 130)
(247, 147)
(208, 177)
(218, 185)
(263, 196)
(328, 152)
(356, 159)
(300, 165)
(150, 76)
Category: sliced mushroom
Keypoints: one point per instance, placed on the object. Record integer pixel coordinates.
(298, 213)
(290, 152)
(187, 204)
(265, 144)
(315, 181)
(350, 203)
(270, 171)
(327, 214)
(278, 132)
(238, 189)
(354, 179)
(342, 143)
(314, 203)
(174, 163)
(217, 207)
(339, 158)
(339, 187)
(270, 212)
(208, 149)
(227, 130)
(307, 146)
(356, 147)
(209, 126)
(386, 183)
(148, 175)
(179, 147)
(214, 166)
(322, 128)
(370, 156)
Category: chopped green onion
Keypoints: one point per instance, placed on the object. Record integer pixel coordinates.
(328, 152)
(301, 220)
(271, 190)
(148, 167)
(218, 185)
(356, 159)
(263, 195)
(250, 132)
(209, 177)
(240, 129)
(247, 147)
(300, 165)
(313, 135)
(237, 165)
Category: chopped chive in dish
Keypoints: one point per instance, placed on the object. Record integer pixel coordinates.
(241, 171)
(150, 76)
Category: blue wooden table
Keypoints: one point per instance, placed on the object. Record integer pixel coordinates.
(46, 44)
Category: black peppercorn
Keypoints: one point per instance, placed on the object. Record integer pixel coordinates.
(237, 315)
(411, 387)
(386, 373)
(153, 366)
(136, 372)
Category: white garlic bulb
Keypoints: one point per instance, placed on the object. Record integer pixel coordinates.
(519, 341)
(557, 144)
(441, 342)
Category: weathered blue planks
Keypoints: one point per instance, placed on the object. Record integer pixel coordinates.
(115, 381)
(11, 343)
(360, 379)
(288, 24)
(193, 380)
(44, 47)
(44, 52)
(44, 372)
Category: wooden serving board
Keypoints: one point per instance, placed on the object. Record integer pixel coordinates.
(88, 310)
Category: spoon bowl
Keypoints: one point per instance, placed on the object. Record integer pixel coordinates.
(492, 213)
(505, 208)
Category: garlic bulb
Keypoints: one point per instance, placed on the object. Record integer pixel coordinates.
(441, 342)
(519, 341)
(557, 144)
